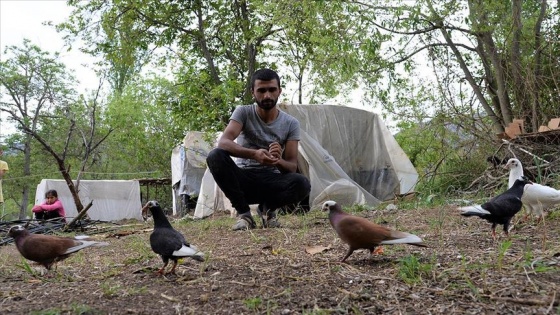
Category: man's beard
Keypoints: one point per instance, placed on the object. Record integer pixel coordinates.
(267, 104)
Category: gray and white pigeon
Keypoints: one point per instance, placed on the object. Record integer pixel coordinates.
(166, 241)
(359, 232)
(501, 208)
(536, 197)
(48, 249)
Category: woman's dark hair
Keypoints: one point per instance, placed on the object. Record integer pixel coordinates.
(51, 192)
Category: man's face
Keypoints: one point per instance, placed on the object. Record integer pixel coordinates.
(266, 93)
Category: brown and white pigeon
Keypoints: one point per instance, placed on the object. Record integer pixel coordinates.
(48, 249)
(359, 232)
(500, 209)
(536, 197)
(166, 241)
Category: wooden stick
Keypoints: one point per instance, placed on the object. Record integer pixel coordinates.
(79, 216)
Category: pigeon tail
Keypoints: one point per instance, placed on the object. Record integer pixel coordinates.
(191, 252)
(473, 210)
(84, 244)
(407, 239)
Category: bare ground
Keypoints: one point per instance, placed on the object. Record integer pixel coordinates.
(270, 271)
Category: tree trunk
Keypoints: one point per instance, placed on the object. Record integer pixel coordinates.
(26, 173)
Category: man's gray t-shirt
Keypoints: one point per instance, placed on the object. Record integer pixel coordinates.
(256, 134)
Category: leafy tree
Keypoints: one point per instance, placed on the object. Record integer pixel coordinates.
(143, 134)
(214, 46)
(504, 51)
(40, 101)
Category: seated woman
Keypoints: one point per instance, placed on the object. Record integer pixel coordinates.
(51, 208)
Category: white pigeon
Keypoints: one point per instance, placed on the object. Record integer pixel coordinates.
(536, 198)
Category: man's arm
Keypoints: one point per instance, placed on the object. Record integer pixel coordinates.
(227, 143)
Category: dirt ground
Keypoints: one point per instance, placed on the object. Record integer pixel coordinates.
(296, 270)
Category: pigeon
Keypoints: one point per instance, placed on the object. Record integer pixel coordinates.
(536, 197)
(501, 208)
(166, 241)
(360, 233)
(48, 249)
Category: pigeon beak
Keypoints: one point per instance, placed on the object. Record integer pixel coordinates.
(145, 212)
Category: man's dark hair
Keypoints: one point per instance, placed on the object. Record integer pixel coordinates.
(264, 75)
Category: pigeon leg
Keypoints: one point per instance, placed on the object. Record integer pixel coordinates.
(173, 268)
(350, 251)
(377, 250)
(160, 272)
(494, 233)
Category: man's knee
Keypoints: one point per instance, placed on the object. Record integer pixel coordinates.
(216, 156)
(302, 185)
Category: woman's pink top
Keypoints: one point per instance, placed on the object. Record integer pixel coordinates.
(56, 206)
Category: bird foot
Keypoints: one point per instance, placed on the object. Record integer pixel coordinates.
(378, 251)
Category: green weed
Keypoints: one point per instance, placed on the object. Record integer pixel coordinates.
(502, 249)
(253, 303)
(110, 289)
(411, 269)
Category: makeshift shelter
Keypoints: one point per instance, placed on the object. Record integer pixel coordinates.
(348, 154)
(113, 200)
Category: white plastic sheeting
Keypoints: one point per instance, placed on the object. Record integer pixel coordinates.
(113, 200)
(348, 154)
(361, 144)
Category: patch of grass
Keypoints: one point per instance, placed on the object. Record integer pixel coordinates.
(82, 309)
(110, 289)
(257, 238)
(253, 303)
(358, 208)
(502, 249)
(208, 223)
(553, 215)
(411, 269)
(136, 290)
(27, 267)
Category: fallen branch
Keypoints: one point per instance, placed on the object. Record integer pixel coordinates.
(78, 217)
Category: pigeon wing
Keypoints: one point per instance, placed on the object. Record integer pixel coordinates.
(541, 194)
(165, 241)
(41, 248)
(361, 233)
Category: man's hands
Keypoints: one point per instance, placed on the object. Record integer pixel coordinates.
(275, 149)
(271, 157)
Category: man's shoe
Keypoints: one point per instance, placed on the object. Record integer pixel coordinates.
(268, 217)
(245, 222)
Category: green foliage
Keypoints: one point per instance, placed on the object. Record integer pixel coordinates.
(411, 269)
(141, 113)
(323, 47)
(253, 303)
(502, 250)
(39, 99)
(447, 157)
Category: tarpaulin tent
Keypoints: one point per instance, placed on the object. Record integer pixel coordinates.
(113, 200)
